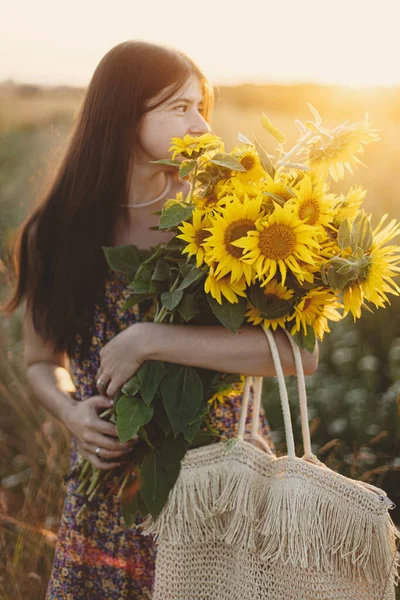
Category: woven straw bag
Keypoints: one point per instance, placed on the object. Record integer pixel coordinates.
(243, 524)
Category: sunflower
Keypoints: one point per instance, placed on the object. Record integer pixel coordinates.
(214, 200)
(315, 309)
(227, 392)
(250, 160)
(383, 236)
(383, 265)
(353, 298)
(347, 206)
(192, 147)
(280, 242)
(313, 205)
(194, 235)
(333, 155)
(376, 281)
(235, 186)
(232, 223)
(278, 186)
(223, 286)
(273, 291)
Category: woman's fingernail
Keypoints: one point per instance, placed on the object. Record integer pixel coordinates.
(110, 401)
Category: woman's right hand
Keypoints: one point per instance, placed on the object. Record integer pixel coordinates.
(92, 432)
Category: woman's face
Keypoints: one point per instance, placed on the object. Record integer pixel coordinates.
(176, 117)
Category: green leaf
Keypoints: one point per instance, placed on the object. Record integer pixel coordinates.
(264, 159)
(305, 341)
(228, 161)
(131, 387)
(161, 270)
(166, 161)
(195, 425)
(274, 131)
(157, 480)
(141, 281)
(171, 452)
(230, 315)
(171, 299)
(132, 413)
(143, 435)
(135, 299)
(186, 167)
(275, 197)
(130, 508)
(184, 269)
(155, 286)
(344, 234)
(335, 279)
(192, 276)
(187, 307)
(161, 418)
(270, 308)
(124, 259)
(345, 269)
(175, 214)
(174, 244)
(361, 233)
(204, 438)
(150, 374)
(182, 394)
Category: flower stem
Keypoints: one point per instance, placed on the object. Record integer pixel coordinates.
(295, 148)
(124, 482)
(94, 480)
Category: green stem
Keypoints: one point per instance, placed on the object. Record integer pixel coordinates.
(295, 149)
(106, 413)
(81, 512)
(94, 480)
(84, 483)
(85, 469)
(124, 482)
(161, 314)
(189, 201)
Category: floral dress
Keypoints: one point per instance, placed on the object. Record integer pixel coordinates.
(97, 557)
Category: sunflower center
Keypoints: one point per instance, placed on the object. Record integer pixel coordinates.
(309, 211)
(200, 236)
(235, 231)
(247, 162)
(277, 241)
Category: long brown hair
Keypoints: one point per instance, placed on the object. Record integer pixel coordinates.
(58, 259)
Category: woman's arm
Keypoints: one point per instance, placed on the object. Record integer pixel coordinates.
(212, 347)
(48, 375)
(246, 352)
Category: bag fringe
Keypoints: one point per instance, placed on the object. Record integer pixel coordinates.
(281, 515)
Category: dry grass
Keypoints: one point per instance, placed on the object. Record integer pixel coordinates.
(33, 446)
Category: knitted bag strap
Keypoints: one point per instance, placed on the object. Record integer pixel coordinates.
(257, 381)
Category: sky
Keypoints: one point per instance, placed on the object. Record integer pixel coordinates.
(350, 42)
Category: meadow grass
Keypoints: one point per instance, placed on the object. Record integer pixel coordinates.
(354, 408)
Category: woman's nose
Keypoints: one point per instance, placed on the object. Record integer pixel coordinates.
(199, 126)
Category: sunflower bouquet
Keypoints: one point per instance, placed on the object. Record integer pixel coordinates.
(260, 239)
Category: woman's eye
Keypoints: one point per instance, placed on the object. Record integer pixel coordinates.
(182, 108)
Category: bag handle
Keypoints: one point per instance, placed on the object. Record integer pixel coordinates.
(284, 401)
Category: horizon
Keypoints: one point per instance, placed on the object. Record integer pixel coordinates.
(268, 44)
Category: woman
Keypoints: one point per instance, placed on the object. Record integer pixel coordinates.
(105, 194)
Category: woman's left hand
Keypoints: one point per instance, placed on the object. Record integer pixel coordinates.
(121, 358)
